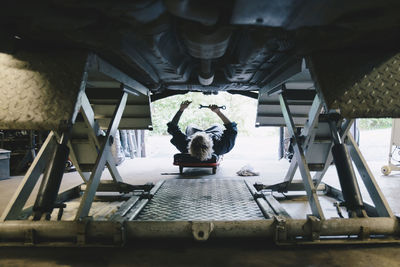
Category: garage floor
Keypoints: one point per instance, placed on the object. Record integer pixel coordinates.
(218, 253)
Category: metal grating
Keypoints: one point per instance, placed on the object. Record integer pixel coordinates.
(362, 84)
(205, 199)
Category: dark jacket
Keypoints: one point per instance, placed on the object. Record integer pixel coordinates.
(223, 143)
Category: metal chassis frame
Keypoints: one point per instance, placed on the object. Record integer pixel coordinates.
(280, 230)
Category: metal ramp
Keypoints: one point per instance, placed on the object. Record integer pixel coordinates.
(201, 200)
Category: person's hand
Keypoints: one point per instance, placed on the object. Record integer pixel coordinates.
(184, 105)
(214, 108)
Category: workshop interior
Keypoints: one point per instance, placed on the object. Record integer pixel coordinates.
(79, 78)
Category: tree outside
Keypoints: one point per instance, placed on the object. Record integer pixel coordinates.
(240, 109)
(372, 123)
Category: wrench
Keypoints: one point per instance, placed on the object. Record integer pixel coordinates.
(220, 107)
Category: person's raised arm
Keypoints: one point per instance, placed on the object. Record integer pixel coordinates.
(216, 110)
(178, 114)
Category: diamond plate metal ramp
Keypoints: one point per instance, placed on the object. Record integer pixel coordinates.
(361, 84)
(198, 200)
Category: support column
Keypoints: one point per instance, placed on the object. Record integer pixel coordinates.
(309, 132)
(88, 196)
(380, 202)
(31, 177)
(347, 177)
(88, 116)
(301, 160)
(51, 181)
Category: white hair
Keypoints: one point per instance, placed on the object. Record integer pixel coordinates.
(200, 146)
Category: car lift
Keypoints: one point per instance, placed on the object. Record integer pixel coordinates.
(136, 217)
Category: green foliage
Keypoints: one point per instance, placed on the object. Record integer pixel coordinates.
(370, 124)
(240, 109)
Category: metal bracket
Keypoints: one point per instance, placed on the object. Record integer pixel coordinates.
(280, 234)
(30, 237)
(119, 237)
(364, 233)
(31, 177)
(312, 228)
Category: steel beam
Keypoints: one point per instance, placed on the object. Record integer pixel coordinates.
(265, 208)
(291, 171)
(84, 175)
(302, 163)
(100, 233)
(382, 207)
(135, 210)
(88, 116)
(312, 121)
(309, 132)
(276, 206)
(125, 208)
(101, 161)
(102, 66)
(31, 177)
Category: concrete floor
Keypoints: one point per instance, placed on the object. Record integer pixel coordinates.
(261, 154)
